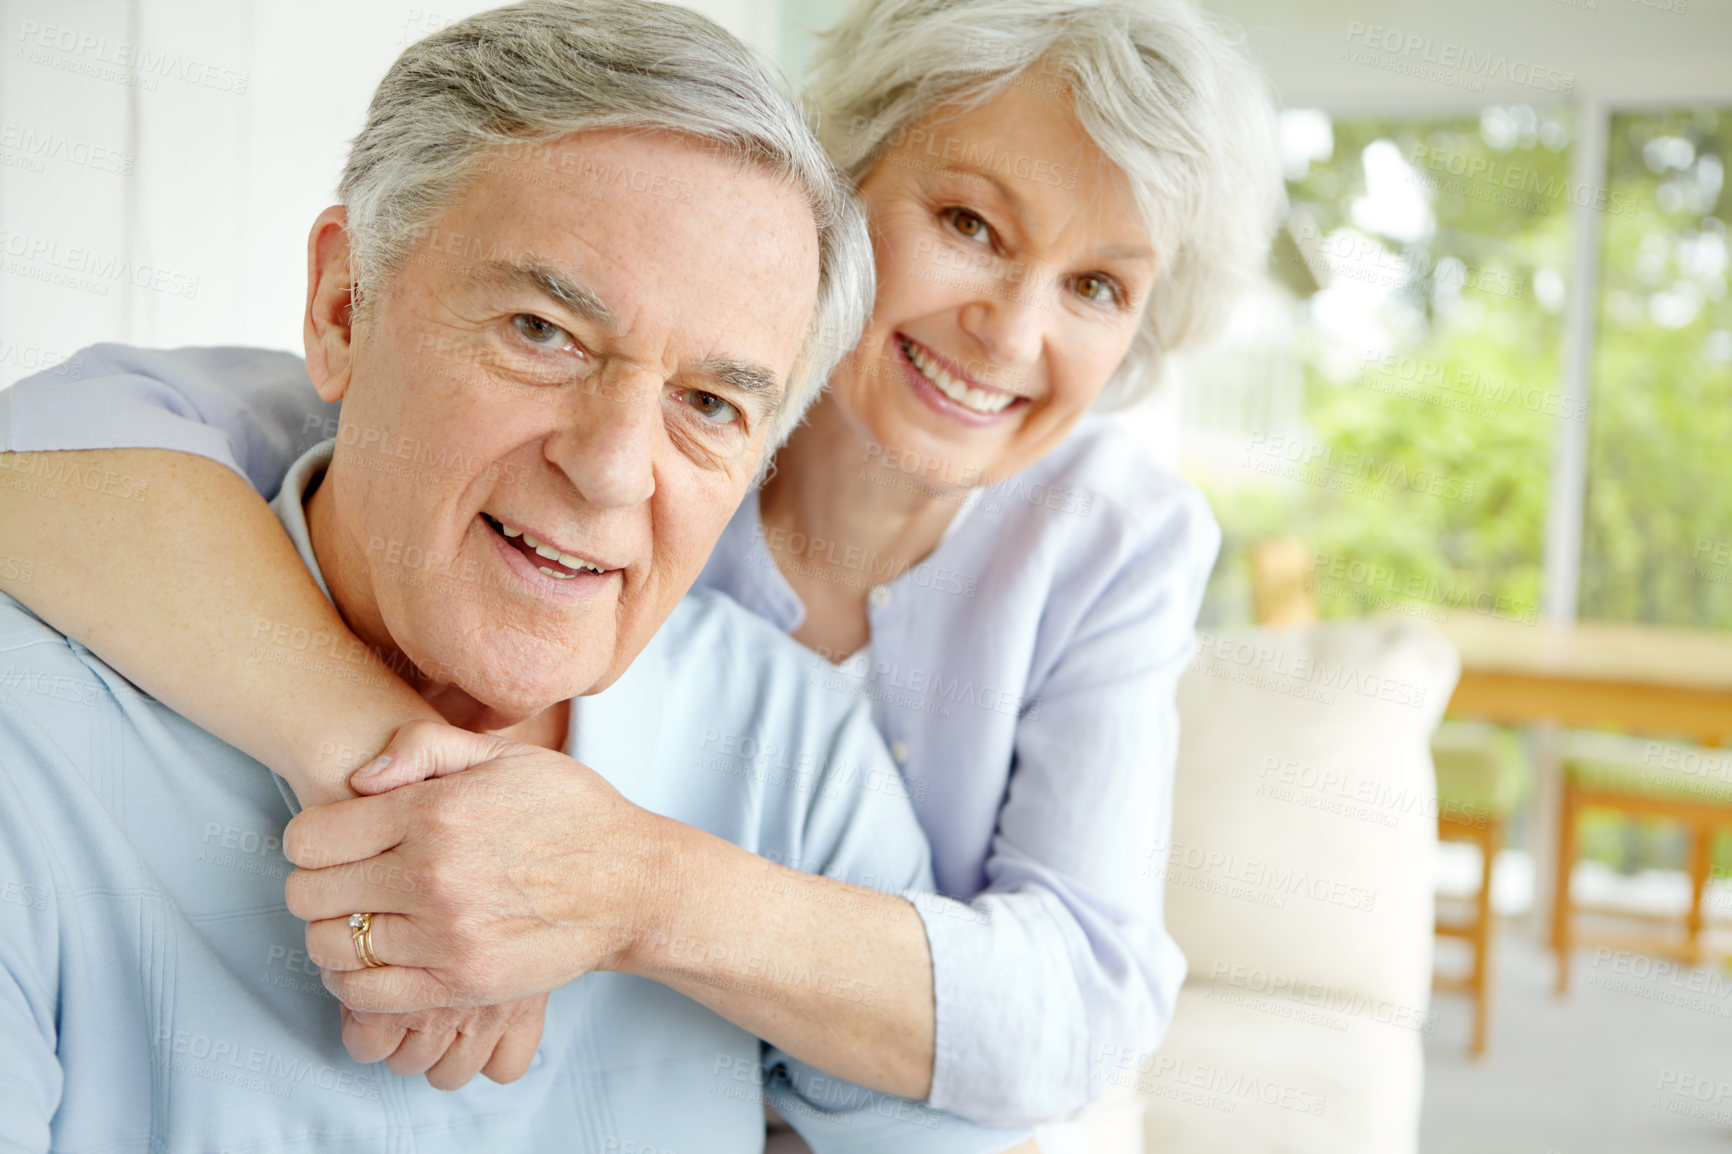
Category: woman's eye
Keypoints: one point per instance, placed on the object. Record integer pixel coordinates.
(1097, 289)
(712, 408)
(536, 331)
(969, 225)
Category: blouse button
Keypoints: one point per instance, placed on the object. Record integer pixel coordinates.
(879, 597)
(899, 750)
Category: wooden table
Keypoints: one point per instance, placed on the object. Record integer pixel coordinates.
(1643, 679)
(1640, 678)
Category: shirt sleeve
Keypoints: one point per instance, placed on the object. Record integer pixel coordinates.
(253, 410)
(31, 1076)
(1062, 964)
(859, 828)
(837, 1117)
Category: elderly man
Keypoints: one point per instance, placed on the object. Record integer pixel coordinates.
(154, 992)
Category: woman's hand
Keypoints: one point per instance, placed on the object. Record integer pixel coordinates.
(424, 749)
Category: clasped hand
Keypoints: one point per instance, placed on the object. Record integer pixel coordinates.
(488, 888)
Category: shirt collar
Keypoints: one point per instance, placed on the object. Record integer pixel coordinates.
(291, 508)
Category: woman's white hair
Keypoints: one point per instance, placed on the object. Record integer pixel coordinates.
(1164, 91)
(537, 71)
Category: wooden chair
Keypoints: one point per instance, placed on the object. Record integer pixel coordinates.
(1685, 784)
(1481, 779)
(1281, 590)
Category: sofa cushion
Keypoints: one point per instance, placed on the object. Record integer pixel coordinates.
(1299, 884)
(1305, 813)
(1243, 1073)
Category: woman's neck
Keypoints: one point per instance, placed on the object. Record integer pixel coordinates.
(839, 521)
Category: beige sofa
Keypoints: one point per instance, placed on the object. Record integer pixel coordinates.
(1299, 882)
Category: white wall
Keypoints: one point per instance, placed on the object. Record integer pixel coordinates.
(161, 160)
(166, 200)
(1428, 54)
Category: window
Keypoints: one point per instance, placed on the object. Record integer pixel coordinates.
(1422, 271)
(1657, 532)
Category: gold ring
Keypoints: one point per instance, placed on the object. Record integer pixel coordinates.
(361, 933)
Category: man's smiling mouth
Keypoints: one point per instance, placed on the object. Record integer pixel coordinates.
(545, 557)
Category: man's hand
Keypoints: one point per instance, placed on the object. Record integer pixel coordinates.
(450, 1046)
(487, 886)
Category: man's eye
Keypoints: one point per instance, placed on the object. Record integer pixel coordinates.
(711, 407)
(536, 331)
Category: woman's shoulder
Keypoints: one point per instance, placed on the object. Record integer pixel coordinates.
(1103, 482)
(221, 363)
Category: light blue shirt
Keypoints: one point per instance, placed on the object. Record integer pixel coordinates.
(1023, 674)
(154, 989)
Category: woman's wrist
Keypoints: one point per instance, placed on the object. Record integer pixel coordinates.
(676, 866)
(321, 758)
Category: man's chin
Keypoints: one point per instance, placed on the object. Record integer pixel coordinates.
(483, 711)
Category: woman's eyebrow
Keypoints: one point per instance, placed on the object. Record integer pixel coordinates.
(1122, 252)
(1017, 204)
(1020, 208)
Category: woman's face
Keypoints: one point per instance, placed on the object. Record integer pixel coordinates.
(1012, 273)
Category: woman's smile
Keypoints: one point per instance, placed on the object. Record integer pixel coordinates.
(949, 391)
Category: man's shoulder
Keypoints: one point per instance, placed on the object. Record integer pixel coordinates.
(709, 630)
(26, 637)
(47, 680)
(747, 665)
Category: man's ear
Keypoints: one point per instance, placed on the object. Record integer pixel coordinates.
(329, 328)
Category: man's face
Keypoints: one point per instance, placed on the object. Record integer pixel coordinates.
(586, 351)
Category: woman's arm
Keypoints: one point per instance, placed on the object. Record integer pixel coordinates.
(1064, 976)
(836, 974)
(171, 568)
(183, 580)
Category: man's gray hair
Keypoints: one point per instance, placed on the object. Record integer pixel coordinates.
(535, 72)
(1164, 91)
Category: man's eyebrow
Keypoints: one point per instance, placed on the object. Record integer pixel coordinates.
(755, 380)
(549, 282)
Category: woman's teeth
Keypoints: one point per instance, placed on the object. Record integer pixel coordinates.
(967, 396)
(542, 549)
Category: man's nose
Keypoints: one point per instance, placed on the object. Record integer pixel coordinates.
(607, 447)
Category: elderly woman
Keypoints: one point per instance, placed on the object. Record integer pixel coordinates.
(1060, 193)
